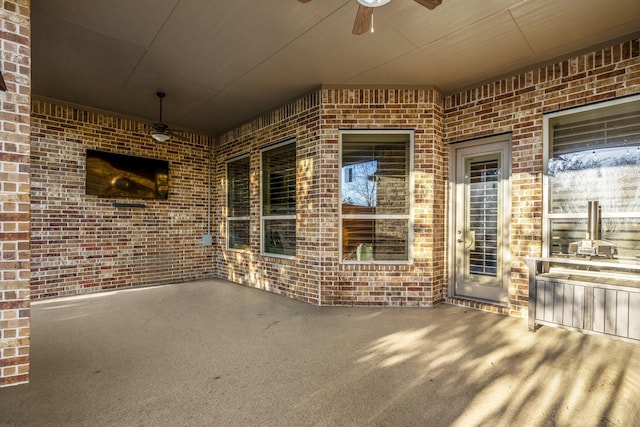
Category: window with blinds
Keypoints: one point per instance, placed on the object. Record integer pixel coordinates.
(594, 154)
(375, 195)
(238, 204)
(279, 200)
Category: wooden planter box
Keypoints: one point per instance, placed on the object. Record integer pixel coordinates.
(593, 297)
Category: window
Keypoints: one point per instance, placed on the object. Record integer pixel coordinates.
(348, 174)
(376, 196)
(238, 204)
(279, 200)
(593, 154)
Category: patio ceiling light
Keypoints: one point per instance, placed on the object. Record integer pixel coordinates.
(373, 3)
(160, 136)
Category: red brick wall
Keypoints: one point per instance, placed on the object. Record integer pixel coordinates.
(14, 192)
(517, 104)
(297, 278)
(316, 275)
(421, 283)
(82, 243)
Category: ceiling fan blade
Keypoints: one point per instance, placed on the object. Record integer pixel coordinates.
(363, 20)
(429, 4)
(178, 136)
(304, 1)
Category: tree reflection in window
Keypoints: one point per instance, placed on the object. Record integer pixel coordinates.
(359, 185)
(375, 196)
(595, 155)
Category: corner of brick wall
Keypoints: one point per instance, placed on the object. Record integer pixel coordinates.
(294, 278)
(82, 243)
(15, 67)
(423, 282)
(517, 104)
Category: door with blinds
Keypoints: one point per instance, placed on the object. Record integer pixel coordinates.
(481, 217)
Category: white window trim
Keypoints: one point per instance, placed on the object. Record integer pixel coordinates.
(568, 116)
(235, 218)
(263, 217)
(409, 216)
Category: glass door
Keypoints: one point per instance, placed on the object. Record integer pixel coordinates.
(482, 213)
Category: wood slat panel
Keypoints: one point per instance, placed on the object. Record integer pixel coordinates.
(622, 314)
(568, 304)
(634, 316)
(547, 302)
(598, 310)
(610, 307)
(539, 314)
(558, 303)
(578, 307)
(610, 311)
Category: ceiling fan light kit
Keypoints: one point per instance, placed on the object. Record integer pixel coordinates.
(373, 3)
(160, 136)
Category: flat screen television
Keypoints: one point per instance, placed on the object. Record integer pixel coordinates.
(119, 175)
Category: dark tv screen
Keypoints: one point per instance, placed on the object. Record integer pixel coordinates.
(119, 175)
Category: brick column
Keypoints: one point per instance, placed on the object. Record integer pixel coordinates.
(15, 105)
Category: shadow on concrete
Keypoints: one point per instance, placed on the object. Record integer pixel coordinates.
(214, 353)
(472, 369)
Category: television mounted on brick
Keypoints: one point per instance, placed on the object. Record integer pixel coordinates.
(119, 175)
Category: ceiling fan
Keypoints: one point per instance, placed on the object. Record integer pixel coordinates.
(161, 131)
(364, 17)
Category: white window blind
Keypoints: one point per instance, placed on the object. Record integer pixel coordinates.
(375, 196)
(279, 200)
(621, 130)
(238, 204)
(595, 155)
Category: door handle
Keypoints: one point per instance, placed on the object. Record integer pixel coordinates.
(472, 245)
(471, 242)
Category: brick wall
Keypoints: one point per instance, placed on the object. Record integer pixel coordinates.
(423, 282)
(512, 105)
(297, 278)
(81, 243)
(517, 104)
(15, 65)
(316, 275)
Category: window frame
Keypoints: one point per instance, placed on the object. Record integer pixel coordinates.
(287, 217)
(409, 216)
(231, 218)
(550, 120)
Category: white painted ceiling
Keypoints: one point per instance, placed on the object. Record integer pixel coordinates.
(223, 62)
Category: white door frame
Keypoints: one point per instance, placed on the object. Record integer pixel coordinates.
(490, 144)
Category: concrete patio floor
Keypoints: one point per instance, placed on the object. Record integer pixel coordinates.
(214, 353)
